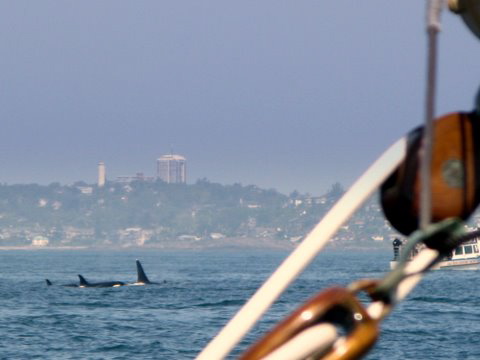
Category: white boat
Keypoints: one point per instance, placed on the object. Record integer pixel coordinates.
(464, 257)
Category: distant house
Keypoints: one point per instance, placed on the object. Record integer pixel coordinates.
(136, 177)
(217, 236)
(87, 190)
(39, 241)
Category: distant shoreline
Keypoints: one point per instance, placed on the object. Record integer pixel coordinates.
(35, 248)
(225, 243)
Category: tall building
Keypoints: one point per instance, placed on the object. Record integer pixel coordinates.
(101, 174)
(172, 169)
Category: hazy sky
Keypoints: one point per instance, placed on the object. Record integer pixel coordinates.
(291, 95)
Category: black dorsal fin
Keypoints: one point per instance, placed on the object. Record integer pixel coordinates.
(83, 282)
(141, 277)
(48, 282)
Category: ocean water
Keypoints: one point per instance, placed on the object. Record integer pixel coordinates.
(202, 290)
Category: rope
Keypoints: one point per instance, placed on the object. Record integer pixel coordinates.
(313, 243)
(434, 8)
(312, 329)
(440, 238)
(316, 339)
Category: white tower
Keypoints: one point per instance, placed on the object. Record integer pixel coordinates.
(101, 174)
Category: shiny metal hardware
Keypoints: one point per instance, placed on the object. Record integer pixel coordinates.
(337, 306)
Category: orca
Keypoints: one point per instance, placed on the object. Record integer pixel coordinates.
(142, 278)
(49, 283)
(84, 283)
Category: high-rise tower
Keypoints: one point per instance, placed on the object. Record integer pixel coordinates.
(101, 174)
(172, 169)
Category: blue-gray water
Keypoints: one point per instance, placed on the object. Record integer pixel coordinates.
(203, 289)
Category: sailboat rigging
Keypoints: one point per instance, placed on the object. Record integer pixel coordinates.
(312, 330)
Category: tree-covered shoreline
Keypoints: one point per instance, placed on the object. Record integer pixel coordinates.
(150, 213)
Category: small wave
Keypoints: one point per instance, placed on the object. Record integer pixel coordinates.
(433, 299)
(114, 347)
(219, 303)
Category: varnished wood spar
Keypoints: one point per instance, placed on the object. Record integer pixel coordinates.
(249, 314)
(334, 305)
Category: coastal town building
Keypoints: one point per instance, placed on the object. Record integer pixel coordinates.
(172, 169)
(136, 177)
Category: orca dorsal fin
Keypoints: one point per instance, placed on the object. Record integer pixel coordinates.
(48, 282)
(83, 282)
(141, 277)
